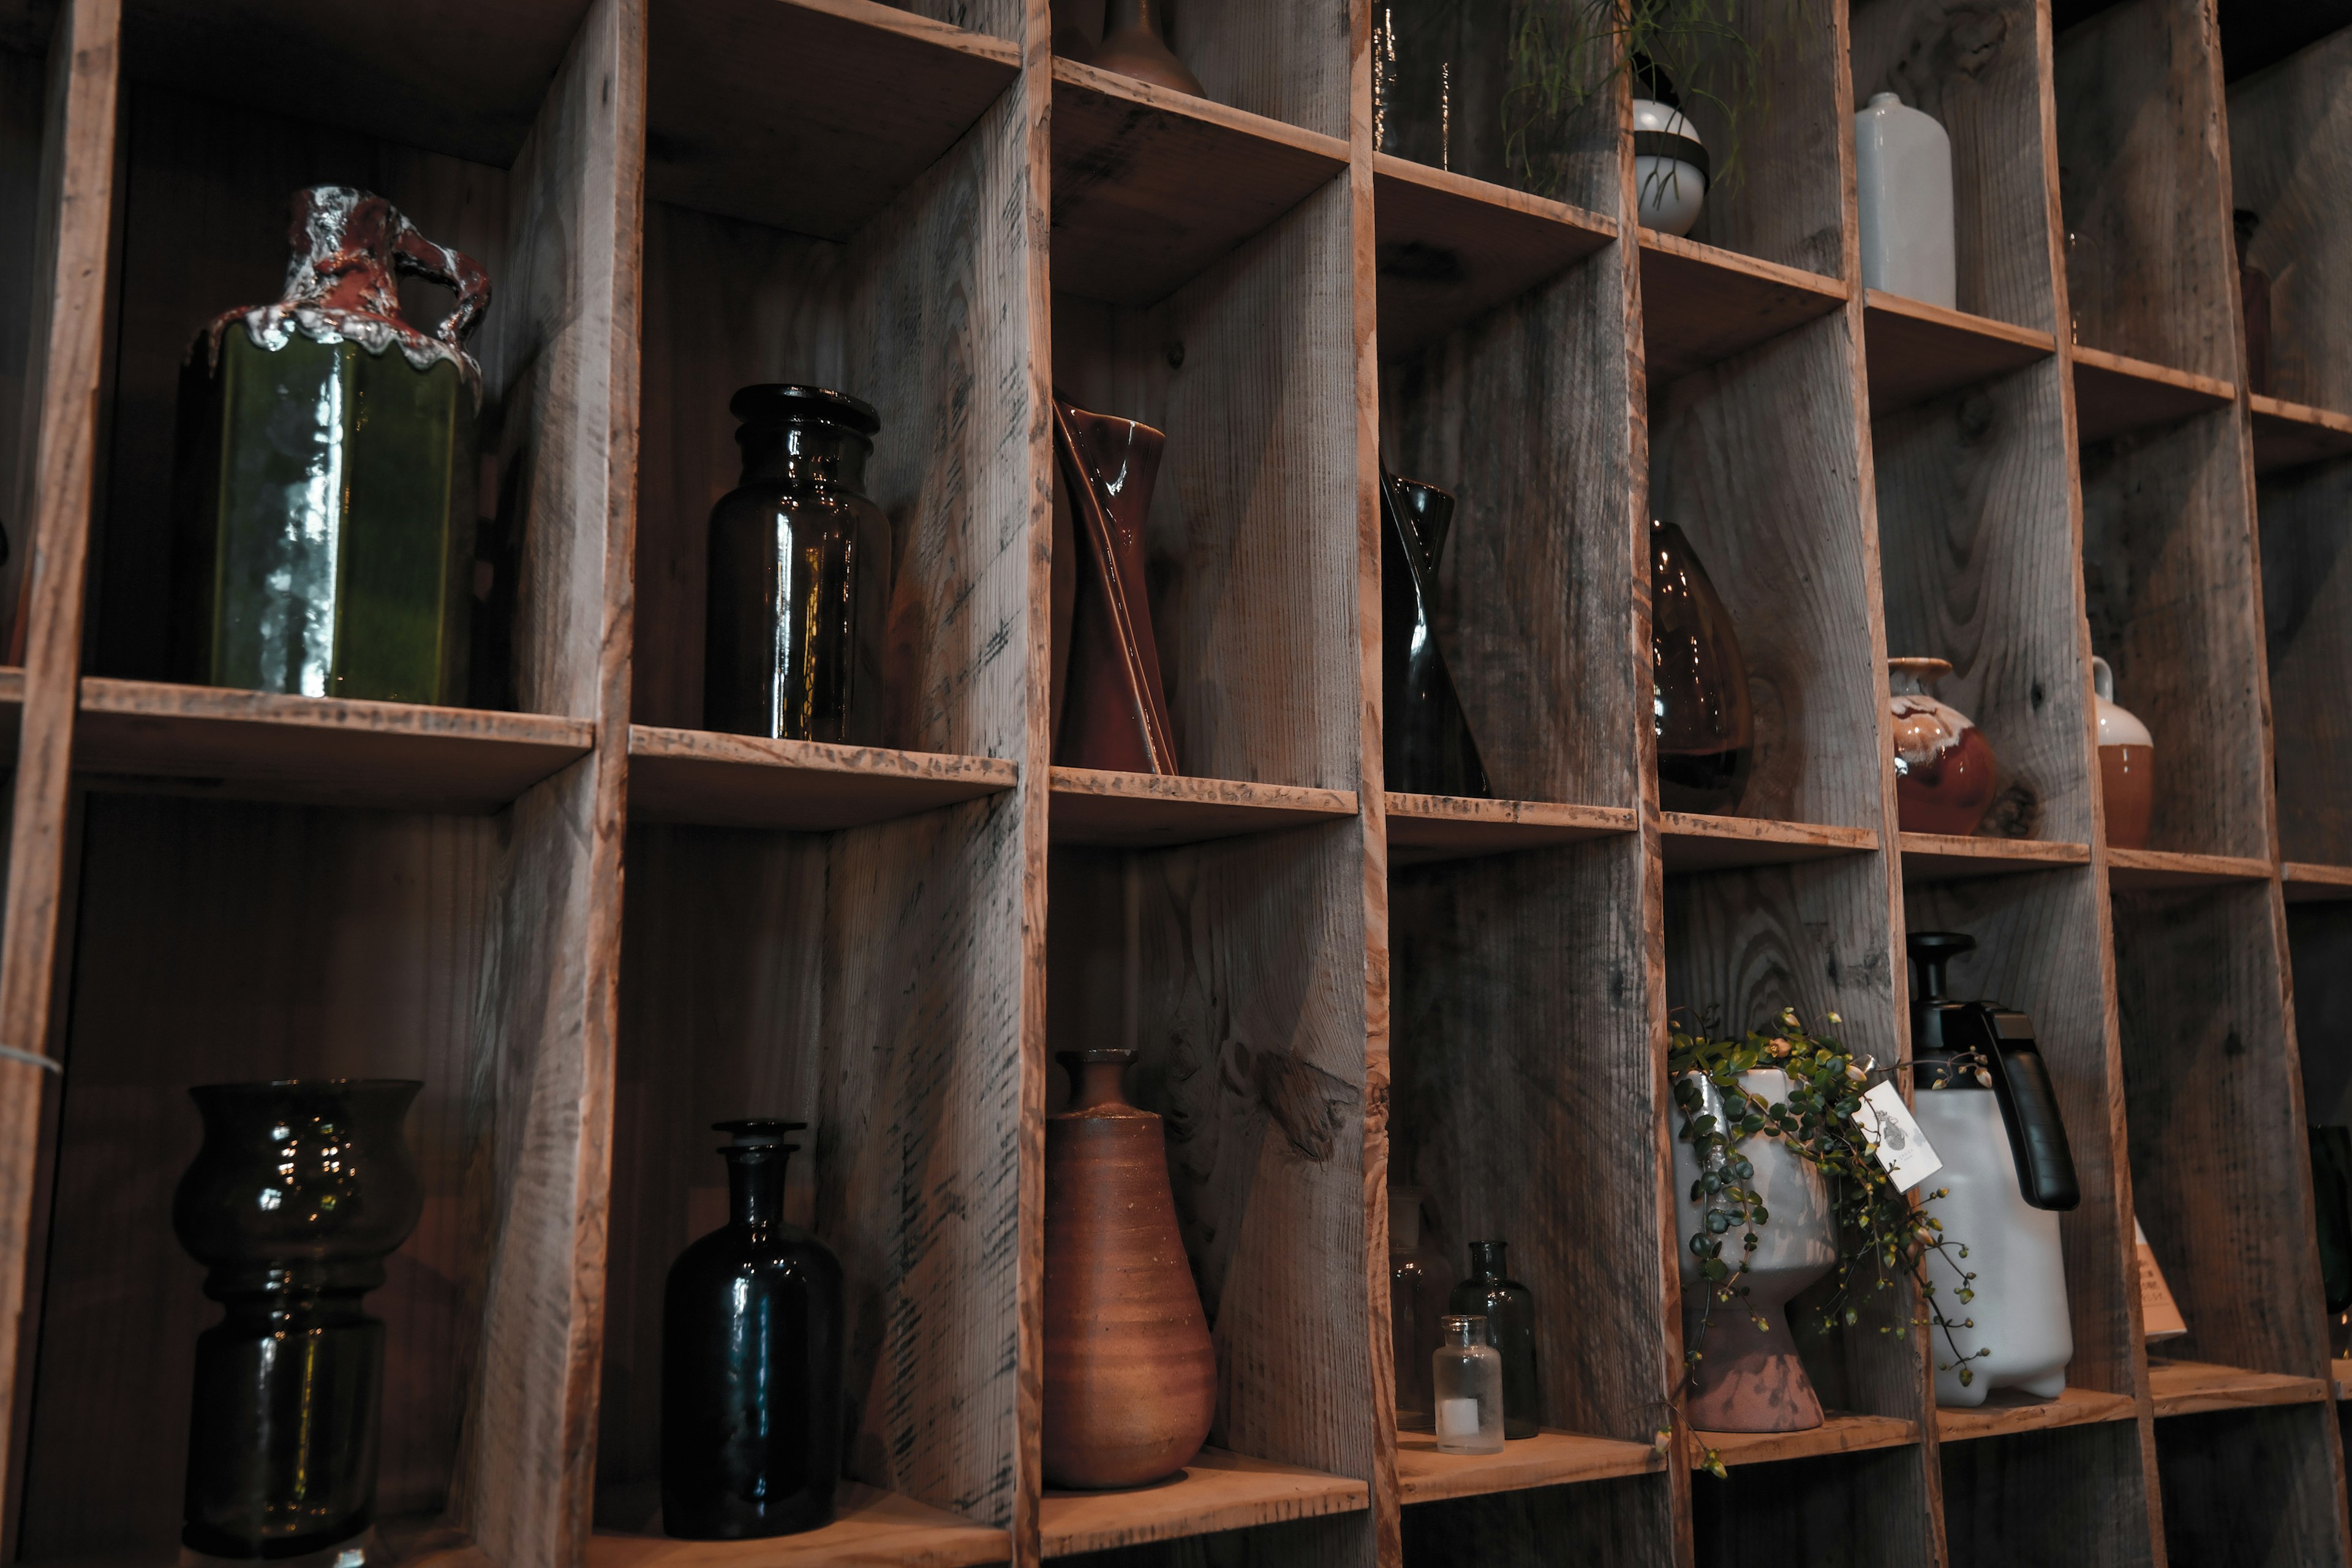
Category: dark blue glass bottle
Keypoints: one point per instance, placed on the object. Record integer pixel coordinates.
(752, 1342)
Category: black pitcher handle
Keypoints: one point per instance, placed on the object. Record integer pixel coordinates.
(2029, 1109)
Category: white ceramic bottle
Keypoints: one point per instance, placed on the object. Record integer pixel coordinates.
(1669, 164)
(1902, 179)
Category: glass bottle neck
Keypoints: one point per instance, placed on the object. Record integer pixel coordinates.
(755, 1185)
(808, 451)
(1487, 1259)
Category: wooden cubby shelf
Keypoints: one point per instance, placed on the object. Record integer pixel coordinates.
(1941, 858)
(257, 745)
(1216, 1491)
(2194, 1388)
(1702, 304)
(592, 928)
(808, 786)
(1549, 1459)
(2116, 395)
(1696, 843)
(2005, 1412)
(2291, 435)
(1918, 350)
(1142, 811)
(1150, 186)
(1841, 1432)
(871, 1528)
(1425, 828)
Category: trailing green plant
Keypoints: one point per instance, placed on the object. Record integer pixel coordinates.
(1883, 1238)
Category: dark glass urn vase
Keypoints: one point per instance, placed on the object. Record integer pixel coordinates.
(751, 1372)
(323, 493)
(800, 565)
(1428, 748)
(1707, 731)
(1510, 1313)
(300, 1192)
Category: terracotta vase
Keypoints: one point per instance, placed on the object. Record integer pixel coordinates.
(1707, 730)
(1428, 748)
(1110, 708)
(1134, 45)
(1945, 771)
(1750, 1379)
(1130, 1378)
(2126, 766)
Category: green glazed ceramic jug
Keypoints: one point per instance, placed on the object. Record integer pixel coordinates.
(324, 483)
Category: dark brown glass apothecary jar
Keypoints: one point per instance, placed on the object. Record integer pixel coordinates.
(800, 561)
(1707, 731)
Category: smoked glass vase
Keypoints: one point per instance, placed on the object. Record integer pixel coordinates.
(1428, 748)
(800, 563)
(1510, 1313)
(751, 1369)
(1707, 731)
(323, 487)
(1110, 709)
(301, 1190)
(1130, 1375)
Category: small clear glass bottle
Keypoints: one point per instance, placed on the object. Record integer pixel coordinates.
(1467, 1378)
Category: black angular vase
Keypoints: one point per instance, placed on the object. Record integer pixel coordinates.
(751, 1345)
(301, 1190)
(1428, 748)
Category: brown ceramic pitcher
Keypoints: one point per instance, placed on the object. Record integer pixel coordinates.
(1131, 1375)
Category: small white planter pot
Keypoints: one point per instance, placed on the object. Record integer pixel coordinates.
(1670, 167)
(2019, 1310)
(1748, 1380)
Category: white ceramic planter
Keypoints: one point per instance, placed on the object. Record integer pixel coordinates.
(2019, 1310)
(1748, 1381)
(1671, 191)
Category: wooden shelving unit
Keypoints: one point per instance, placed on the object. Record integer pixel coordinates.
(593, 927)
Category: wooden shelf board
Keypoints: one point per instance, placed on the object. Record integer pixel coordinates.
(2114, 394)
(1696, 843)
(745, 781)
(1151, 810)
(260, 745)
(1423, 828)
(1841, 1432)
(2148, 870)
(1701, 304)
(1451, 247)
(1549, 1459)
(869, 1527)
(1916, 351)
(718, 131)
(1217, 1491)
(2306, 883)
(2193, 1388)
(1942, 857)
(2005, 1410)
(1152, 186)
(2289, 435)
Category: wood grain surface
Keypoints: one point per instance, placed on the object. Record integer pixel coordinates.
(2290, 139)
(871, 1530)
(2307, 624)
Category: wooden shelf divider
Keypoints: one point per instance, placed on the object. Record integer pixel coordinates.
(2192, 1388)
(2005, 1411)
(1696, 843)
(2115, 393)
(871, 1527)
(1941, 858)
(807, 786)
(1218, 1490)
(1841, 1432)
(1549, 1459)
(1918, 350)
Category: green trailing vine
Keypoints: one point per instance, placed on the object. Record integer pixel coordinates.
(1882, 1237)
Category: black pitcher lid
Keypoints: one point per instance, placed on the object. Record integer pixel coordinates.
(757, 1132)
(775, 401)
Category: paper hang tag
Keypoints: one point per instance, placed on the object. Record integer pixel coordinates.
(1903, 1152)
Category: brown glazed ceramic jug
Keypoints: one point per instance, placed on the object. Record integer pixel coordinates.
(1130, 1377)
(1945, 771)
(1109, 711)
(1134, 45)
(2126, 764)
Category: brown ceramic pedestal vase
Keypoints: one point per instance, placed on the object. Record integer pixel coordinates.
(1110, 711)
(1130, 1378)
(1750, 1379)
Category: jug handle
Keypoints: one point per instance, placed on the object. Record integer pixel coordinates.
(2029, 1109)
(418, 257)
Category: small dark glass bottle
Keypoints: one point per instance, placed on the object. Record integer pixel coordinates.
(751, 1376)
(2254, 300)
(800, 563)
(1510, 1314)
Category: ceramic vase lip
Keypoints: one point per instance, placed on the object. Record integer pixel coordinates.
(1911, 676)
(759, 1133)
(1096, 1081)
(786, 401)
(2118, 725)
